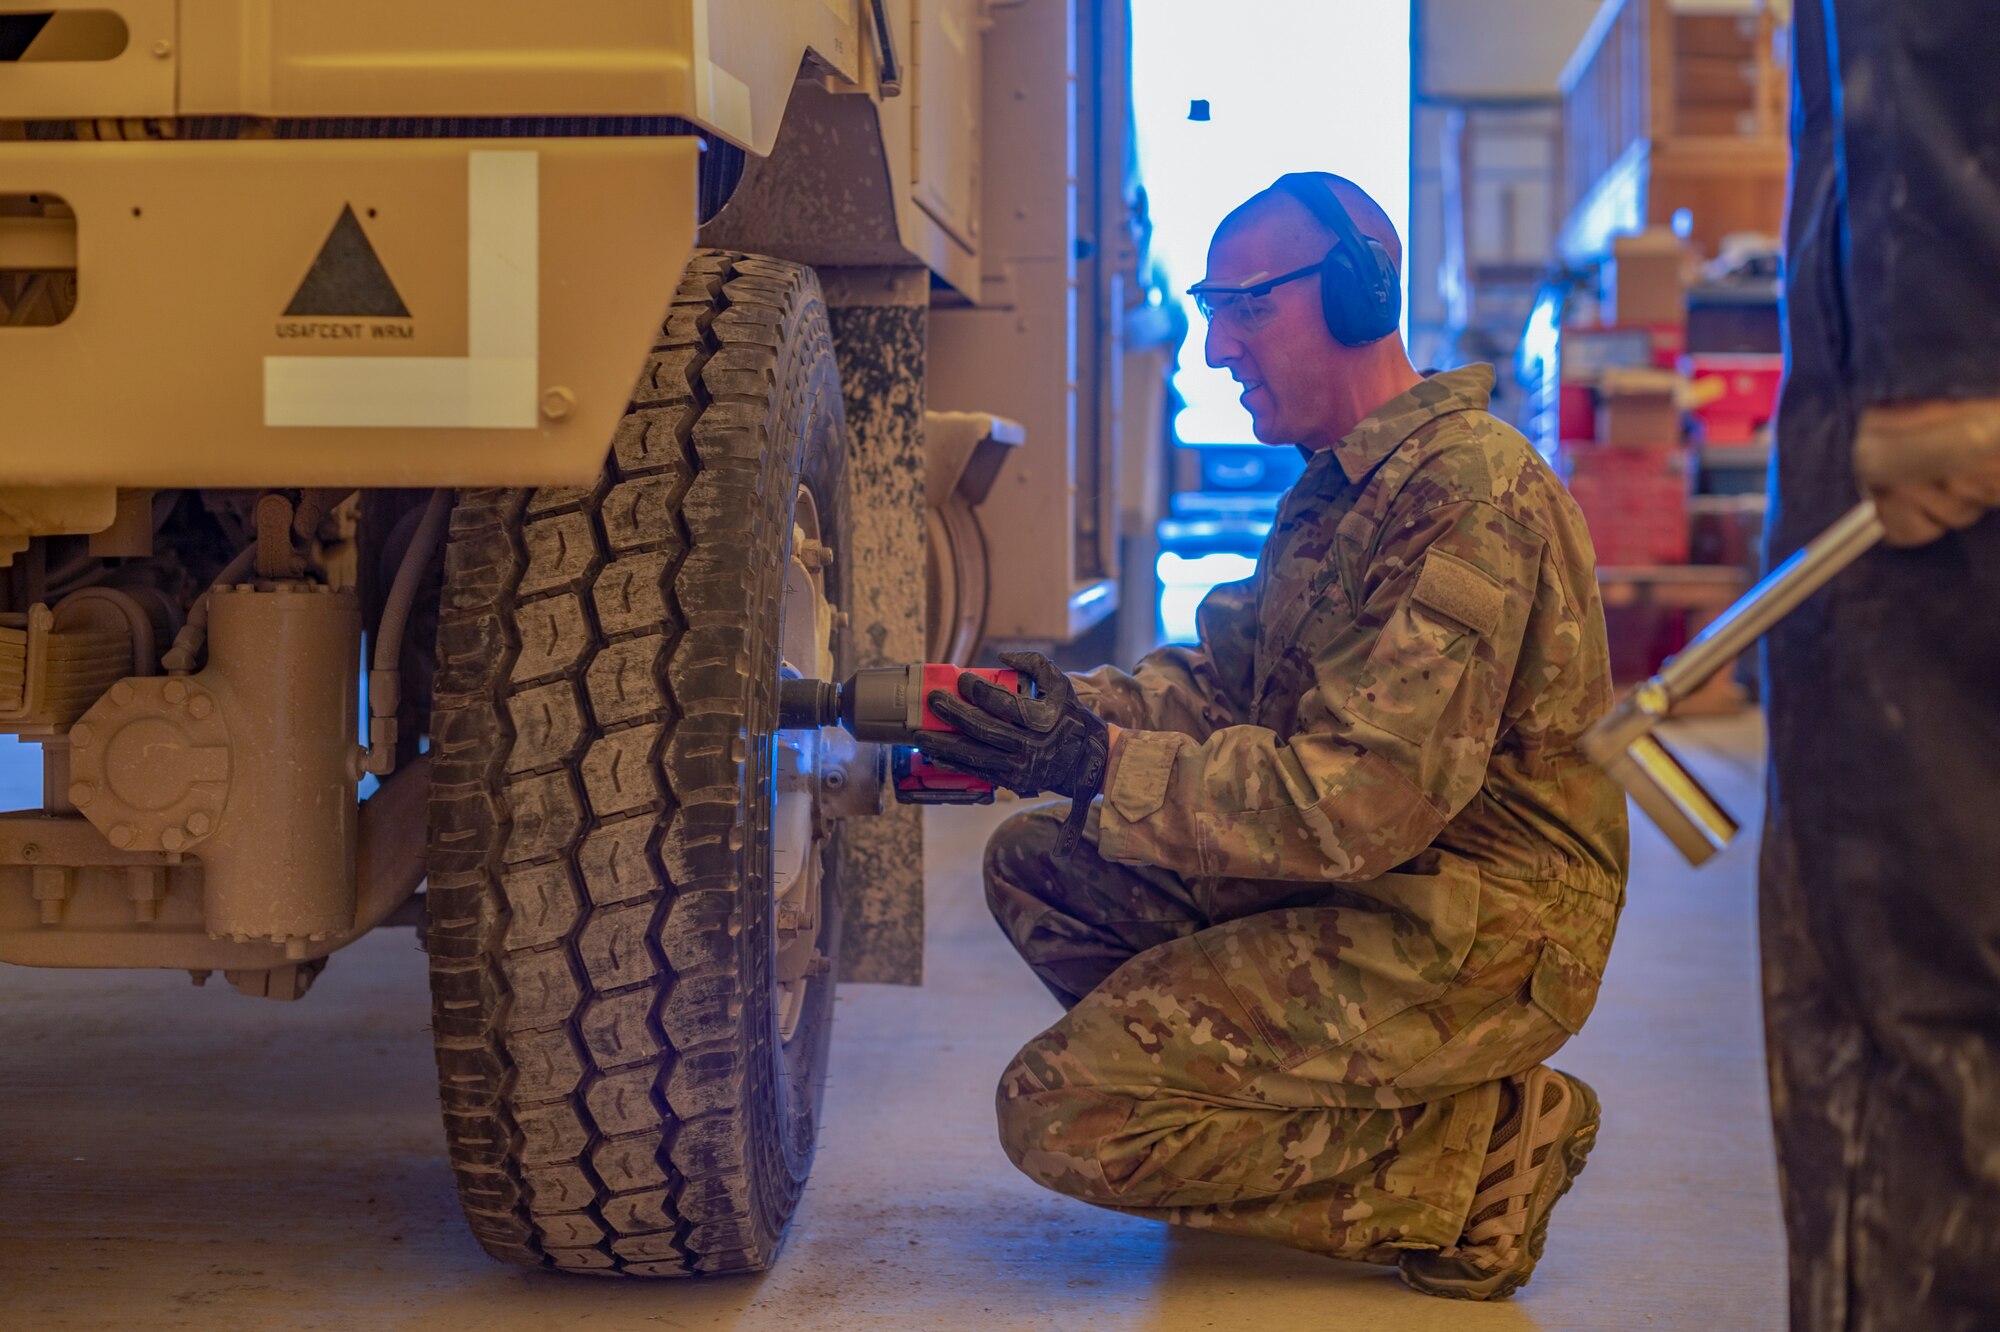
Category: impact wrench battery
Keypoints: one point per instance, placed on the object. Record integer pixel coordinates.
(885, 705)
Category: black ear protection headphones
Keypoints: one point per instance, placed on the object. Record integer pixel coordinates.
(1359, 290)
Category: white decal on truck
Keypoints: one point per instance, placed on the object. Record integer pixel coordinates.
(493, 385)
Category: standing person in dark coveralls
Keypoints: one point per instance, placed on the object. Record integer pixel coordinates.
(1881, 859)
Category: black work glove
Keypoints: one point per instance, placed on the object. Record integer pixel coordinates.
(1028, 745)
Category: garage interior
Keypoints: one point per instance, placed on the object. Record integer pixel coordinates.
(934, 253)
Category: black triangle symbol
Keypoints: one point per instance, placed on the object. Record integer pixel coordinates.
(348, 279)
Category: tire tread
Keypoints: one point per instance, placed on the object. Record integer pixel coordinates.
(584, 901)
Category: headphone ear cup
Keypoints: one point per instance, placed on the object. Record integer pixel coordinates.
(1386, 294)
(1362, 300)
(1360, 292)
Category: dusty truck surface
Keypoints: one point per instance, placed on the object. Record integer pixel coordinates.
(429, 434)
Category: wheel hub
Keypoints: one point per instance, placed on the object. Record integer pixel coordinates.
(799, 825)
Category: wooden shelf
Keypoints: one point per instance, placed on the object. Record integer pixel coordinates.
(1703, 591)
(1636, 150)
(1682, 586)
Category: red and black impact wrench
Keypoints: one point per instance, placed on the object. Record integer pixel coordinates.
(886, 705)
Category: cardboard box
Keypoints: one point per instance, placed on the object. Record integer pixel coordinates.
(1715, 35)
(1669, 344)
(1714, 122)
(1734, 322)
(1634, 500)
(1642, 283)
(1576, 412)
(1640, 408)
(1734, 396)
(1726, 529)
(1715, 81)
(1641, 638)
(1586, 353)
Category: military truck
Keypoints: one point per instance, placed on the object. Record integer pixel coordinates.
(428, 435)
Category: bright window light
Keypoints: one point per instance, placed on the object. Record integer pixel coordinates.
(1184, 582)
(20, 774)
(1292, 85)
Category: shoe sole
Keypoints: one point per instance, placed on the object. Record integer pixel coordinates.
(1575, 1152)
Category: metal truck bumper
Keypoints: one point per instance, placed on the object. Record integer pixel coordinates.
(381, 312)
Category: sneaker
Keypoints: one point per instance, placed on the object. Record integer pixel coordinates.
(1537, 1151)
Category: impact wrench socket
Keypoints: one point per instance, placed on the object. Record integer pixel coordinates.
(886, 705)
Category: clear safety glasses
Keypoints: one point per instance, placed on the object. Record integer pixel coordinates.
(1248, 307)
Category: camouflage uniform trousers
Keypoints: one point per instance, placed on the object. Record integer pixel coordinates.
(1312, 1064)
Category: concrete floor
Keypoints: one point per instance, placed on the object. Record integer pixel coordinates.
(182, 1158)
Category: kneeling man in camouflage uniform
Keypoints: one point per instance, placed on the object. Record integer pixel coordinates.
(1351, 880)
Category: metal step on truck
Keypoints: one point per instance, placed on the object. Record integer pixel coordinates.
(428, 436)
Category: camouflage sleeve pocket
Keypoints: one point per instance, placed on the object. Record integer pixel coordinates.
(1145, 764)
(1563, 987)
(1460, 591)
(1420, 654)
(1412, 671)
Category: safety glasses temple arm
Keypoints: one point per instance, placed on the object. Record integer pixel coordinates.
(1262, 288)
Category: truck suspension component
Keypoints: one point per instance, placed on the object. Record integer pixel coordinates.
(248, 765)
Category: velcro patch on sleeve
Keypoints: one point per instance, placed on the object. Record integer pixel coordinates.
(1465, 593)
(1137, 785)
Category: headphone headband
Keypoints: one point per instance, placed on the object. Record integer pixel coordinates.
(1314, 191)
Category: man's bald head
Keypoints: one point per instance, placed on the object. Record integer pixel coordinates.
(1293, 229)
(1300, 384)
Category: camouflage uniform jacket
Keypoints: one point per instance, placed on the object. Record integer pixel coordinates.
(1409, 669)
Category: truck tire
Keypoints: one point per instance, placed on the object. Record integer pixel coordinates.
(618, 1096)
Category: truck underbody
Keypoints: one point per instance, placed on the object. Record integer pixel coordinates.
(406, 524)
